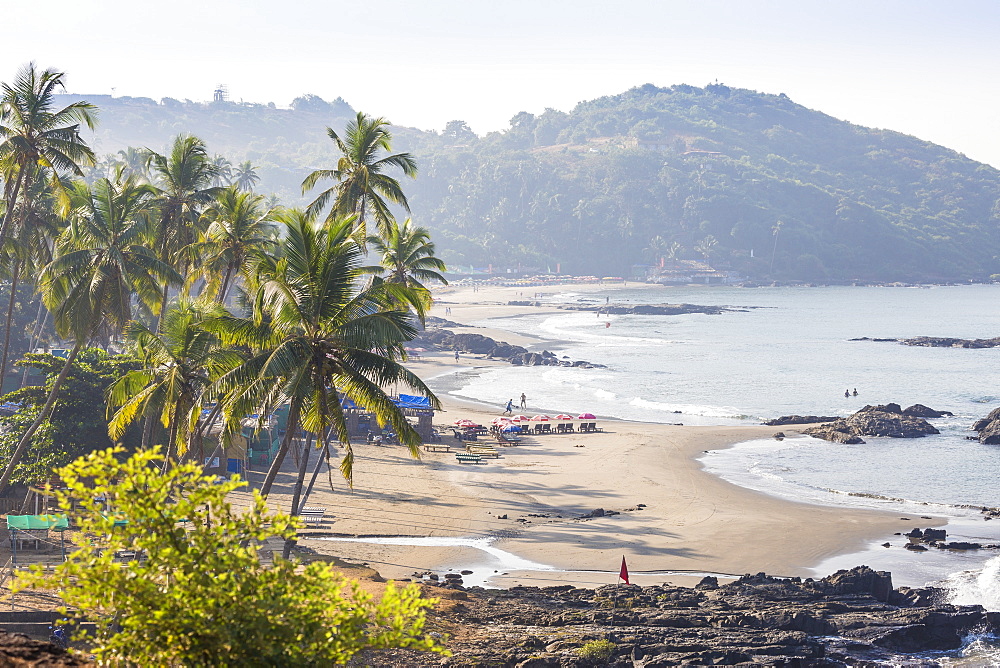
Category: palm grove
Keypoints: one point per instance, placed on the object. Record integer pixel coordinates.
(218, 296)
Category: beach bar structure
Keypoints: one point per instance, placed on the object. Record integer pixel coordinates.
(360, 422)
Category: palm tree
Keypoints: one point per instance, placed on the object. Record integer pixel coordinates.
(184, 183)
(240, 227)
(36, 140)
(317, 336)
(223, 171)
(707, 247)
(34, 224)
(101, 263)
(179, 365)
(407, 258)
(363, 188)
(245, 176)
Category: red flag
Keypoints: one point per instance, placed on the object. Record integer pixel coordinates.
(624, 572)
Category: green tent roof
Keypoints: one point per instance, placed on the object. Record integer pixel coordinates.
(25, 522)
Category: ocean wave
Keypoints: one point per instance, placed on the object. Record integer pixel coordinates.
(691, 409)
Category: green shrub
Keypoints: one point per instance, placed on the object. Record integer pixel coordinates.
(597, 650)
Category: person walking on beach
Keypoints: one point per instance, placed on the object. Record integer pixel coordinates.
(524, 401)
(510, 407)
(456, 355)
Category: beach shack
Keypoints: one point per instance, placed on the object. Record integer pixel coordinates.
(417, 410)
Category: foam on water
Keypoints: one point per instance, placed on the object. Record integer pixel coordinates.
(977, 587)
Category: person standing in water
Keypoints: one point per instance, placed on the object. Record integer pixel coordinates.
(847, 393)
(855, 391)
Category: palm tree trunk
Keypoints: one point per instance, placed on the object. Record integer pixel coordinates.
(10, 315)
(15, 459)
(11, 204)
(36, 335)
(291, 427)
(225, 285)
(297, 494)
(324, 457)
(172, 442)
(163, 307)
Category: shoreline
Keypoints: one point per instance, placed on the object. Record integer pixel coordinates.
(530, 501)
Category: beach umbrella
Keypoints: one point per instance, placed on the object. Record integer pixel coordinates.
(541, 418)
(511, 428)
(500, 420)
(563, 416)
(465, 422)
(587, 416)
(520, 418)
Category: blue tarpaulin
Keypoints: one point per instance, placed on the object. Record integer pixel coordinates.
(411, 401)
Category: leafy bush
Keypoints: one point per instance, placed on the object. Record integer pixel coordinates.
(198, 595)
(597, 650)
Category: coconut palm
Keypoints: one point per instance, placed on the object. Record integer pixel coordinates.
(319, 335)
(223, 171)
(245, 176)
(37, 141)
(179, 364)
(363, 187)
(407, 258)
(184, 183)
(102, 265)
(28, 248)
(241, 225)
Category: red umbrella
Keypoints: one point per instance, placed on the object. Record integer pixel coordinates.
(465, 422)
(541, 418)
(500, 420)
(587, 416)
(520, 418)
(563, 416)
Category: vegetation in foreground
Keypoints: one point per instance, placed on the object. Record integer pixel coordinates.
(196, 593)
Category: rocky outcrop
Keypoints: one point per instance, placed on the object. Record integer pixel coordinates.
(885, 420)
(943, 342)
(989, 428)
(919, 410)
(478, 344)
(800, 419)
(853, 617)
(653, 309)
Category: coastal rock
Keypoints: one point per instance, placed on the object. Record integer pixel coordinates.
(852, 617)
(919, 410)
(884, 420)
(800, 419)
(944, 342)
(654, 309)
(989, 428)
(835, 433)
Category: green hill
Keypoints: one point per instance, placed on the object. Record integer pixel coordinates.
(753, 182)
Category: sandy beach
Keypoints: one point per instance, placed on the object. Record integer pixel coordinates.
(519, 517)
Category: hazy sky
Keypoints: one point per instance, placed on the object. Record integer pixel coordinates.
(927, 68)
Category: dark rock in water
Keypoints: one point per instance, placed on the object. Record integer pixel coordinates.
(935, 534)
(959, 545)
(835, 433)
(887, 420)
(779, 435)
(944, 342)
(505, 350)
(799, 419)
(989, 428)
(915, 533)
(916, 547)
(919, 410)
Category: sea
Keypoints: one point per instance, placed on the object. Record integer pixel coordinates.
(789, 350)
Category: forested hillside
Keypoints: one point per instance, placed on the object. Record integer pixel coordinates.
(752, 182)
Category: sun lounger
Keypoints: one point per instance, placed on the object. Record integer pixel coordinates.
(437, 447)
(483, 451)
(503, 439)
(468, 458)
(312, 515)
